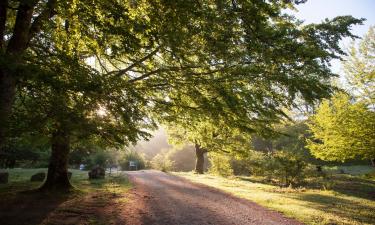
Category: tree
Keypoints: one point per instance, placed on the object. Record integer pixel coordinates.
(343, 126)
(342, 130)
(16, 32)
(207, 137)
(235, 61)
(359, 68)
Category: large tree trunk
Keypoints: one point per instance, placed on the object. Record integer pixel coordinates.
(199, 153)
(57, 177)
(23, 31)
(12, 54)
(7, 93)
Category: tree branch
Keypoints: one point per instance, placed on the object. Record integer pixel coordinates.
(122, 72)
(46, 14)
(18, 41)
(3, 19)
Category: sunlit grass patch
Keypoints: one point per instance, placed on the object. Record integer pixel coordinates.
(311, 206)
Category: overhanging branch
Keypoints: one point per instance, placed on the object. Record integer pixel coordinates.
(46, 14)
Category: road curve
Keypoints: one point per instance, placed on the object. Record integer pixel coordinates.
(162, 199)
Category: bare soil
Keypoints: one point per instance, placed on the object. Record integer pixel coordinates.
(161, 199)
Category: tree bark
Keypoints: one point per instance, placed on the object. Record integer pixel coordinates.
(57, 177)
(23, 31)
(3, 20)
(373, 162)
(16, 46)
(7, 94)
(199, 153)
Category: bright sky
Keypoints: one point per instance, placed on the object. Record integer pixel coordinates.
(314, 11)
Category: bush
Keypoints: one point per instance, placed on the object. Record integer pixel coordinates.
(288, 168)
(182, 159)
(161, 162)
(283, 167)
(132, 156)
(103, 158)
(97, 158)
(220, 164)
(253, 164)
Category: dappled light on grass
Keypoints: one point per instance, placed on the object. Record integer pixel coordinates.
(341, 205)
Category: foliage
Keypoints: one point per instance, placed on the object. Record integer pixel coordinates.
(130, 155)
(288, 168)
(98, 159)
(183, 159)
(251, 164)
(103, 157)
(161, 162)
(27, 150)
(342, 130)
(113, 70)
(343, 127)
(290, 136)
(360, 68)
(220, 164)
(210, 136)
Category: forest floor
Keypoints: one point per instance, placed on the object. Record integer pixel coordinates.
(92, 202)
(337, 199)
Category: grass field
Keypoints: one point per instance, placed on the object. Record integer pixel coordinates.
(83, 205)
(346, 199)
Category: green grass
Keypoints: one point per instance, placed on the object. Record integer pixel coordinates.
(349, 200)
(352, 170)
(19, 180)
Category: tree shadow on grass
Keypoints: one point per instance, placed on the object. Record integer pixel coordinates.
(351, 210)
(343, 184)
(259, 180)
(29, 207)
(354, 186)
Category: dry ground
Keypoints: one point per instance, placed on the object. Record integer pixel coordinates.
(159, 198)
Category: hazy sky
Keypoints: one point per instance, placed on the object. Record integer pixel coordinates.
(314, 11)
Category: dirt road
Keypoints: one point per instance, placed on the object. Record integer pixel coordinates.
(162, 199)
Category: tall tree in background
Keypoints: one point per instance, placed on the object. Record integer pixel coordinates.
(360, 69)
(208, 137)
(343, 130)
(343, 127)
(237, 62)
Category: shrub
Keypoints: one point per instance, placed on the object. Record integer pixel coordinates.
(161, 162)
(98, 158)
(183, 158)
(132, 156)
(254, 164)
(220, 164)
(289, 168)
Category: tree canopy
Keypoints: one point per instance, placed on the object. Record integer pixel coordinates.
(359, 68)
(342, 130)
(343, 127)
(114, 68)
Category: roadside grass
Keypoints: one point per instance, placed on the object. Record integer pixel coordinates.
(352, 170)
(82, 205)
(345, 199)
